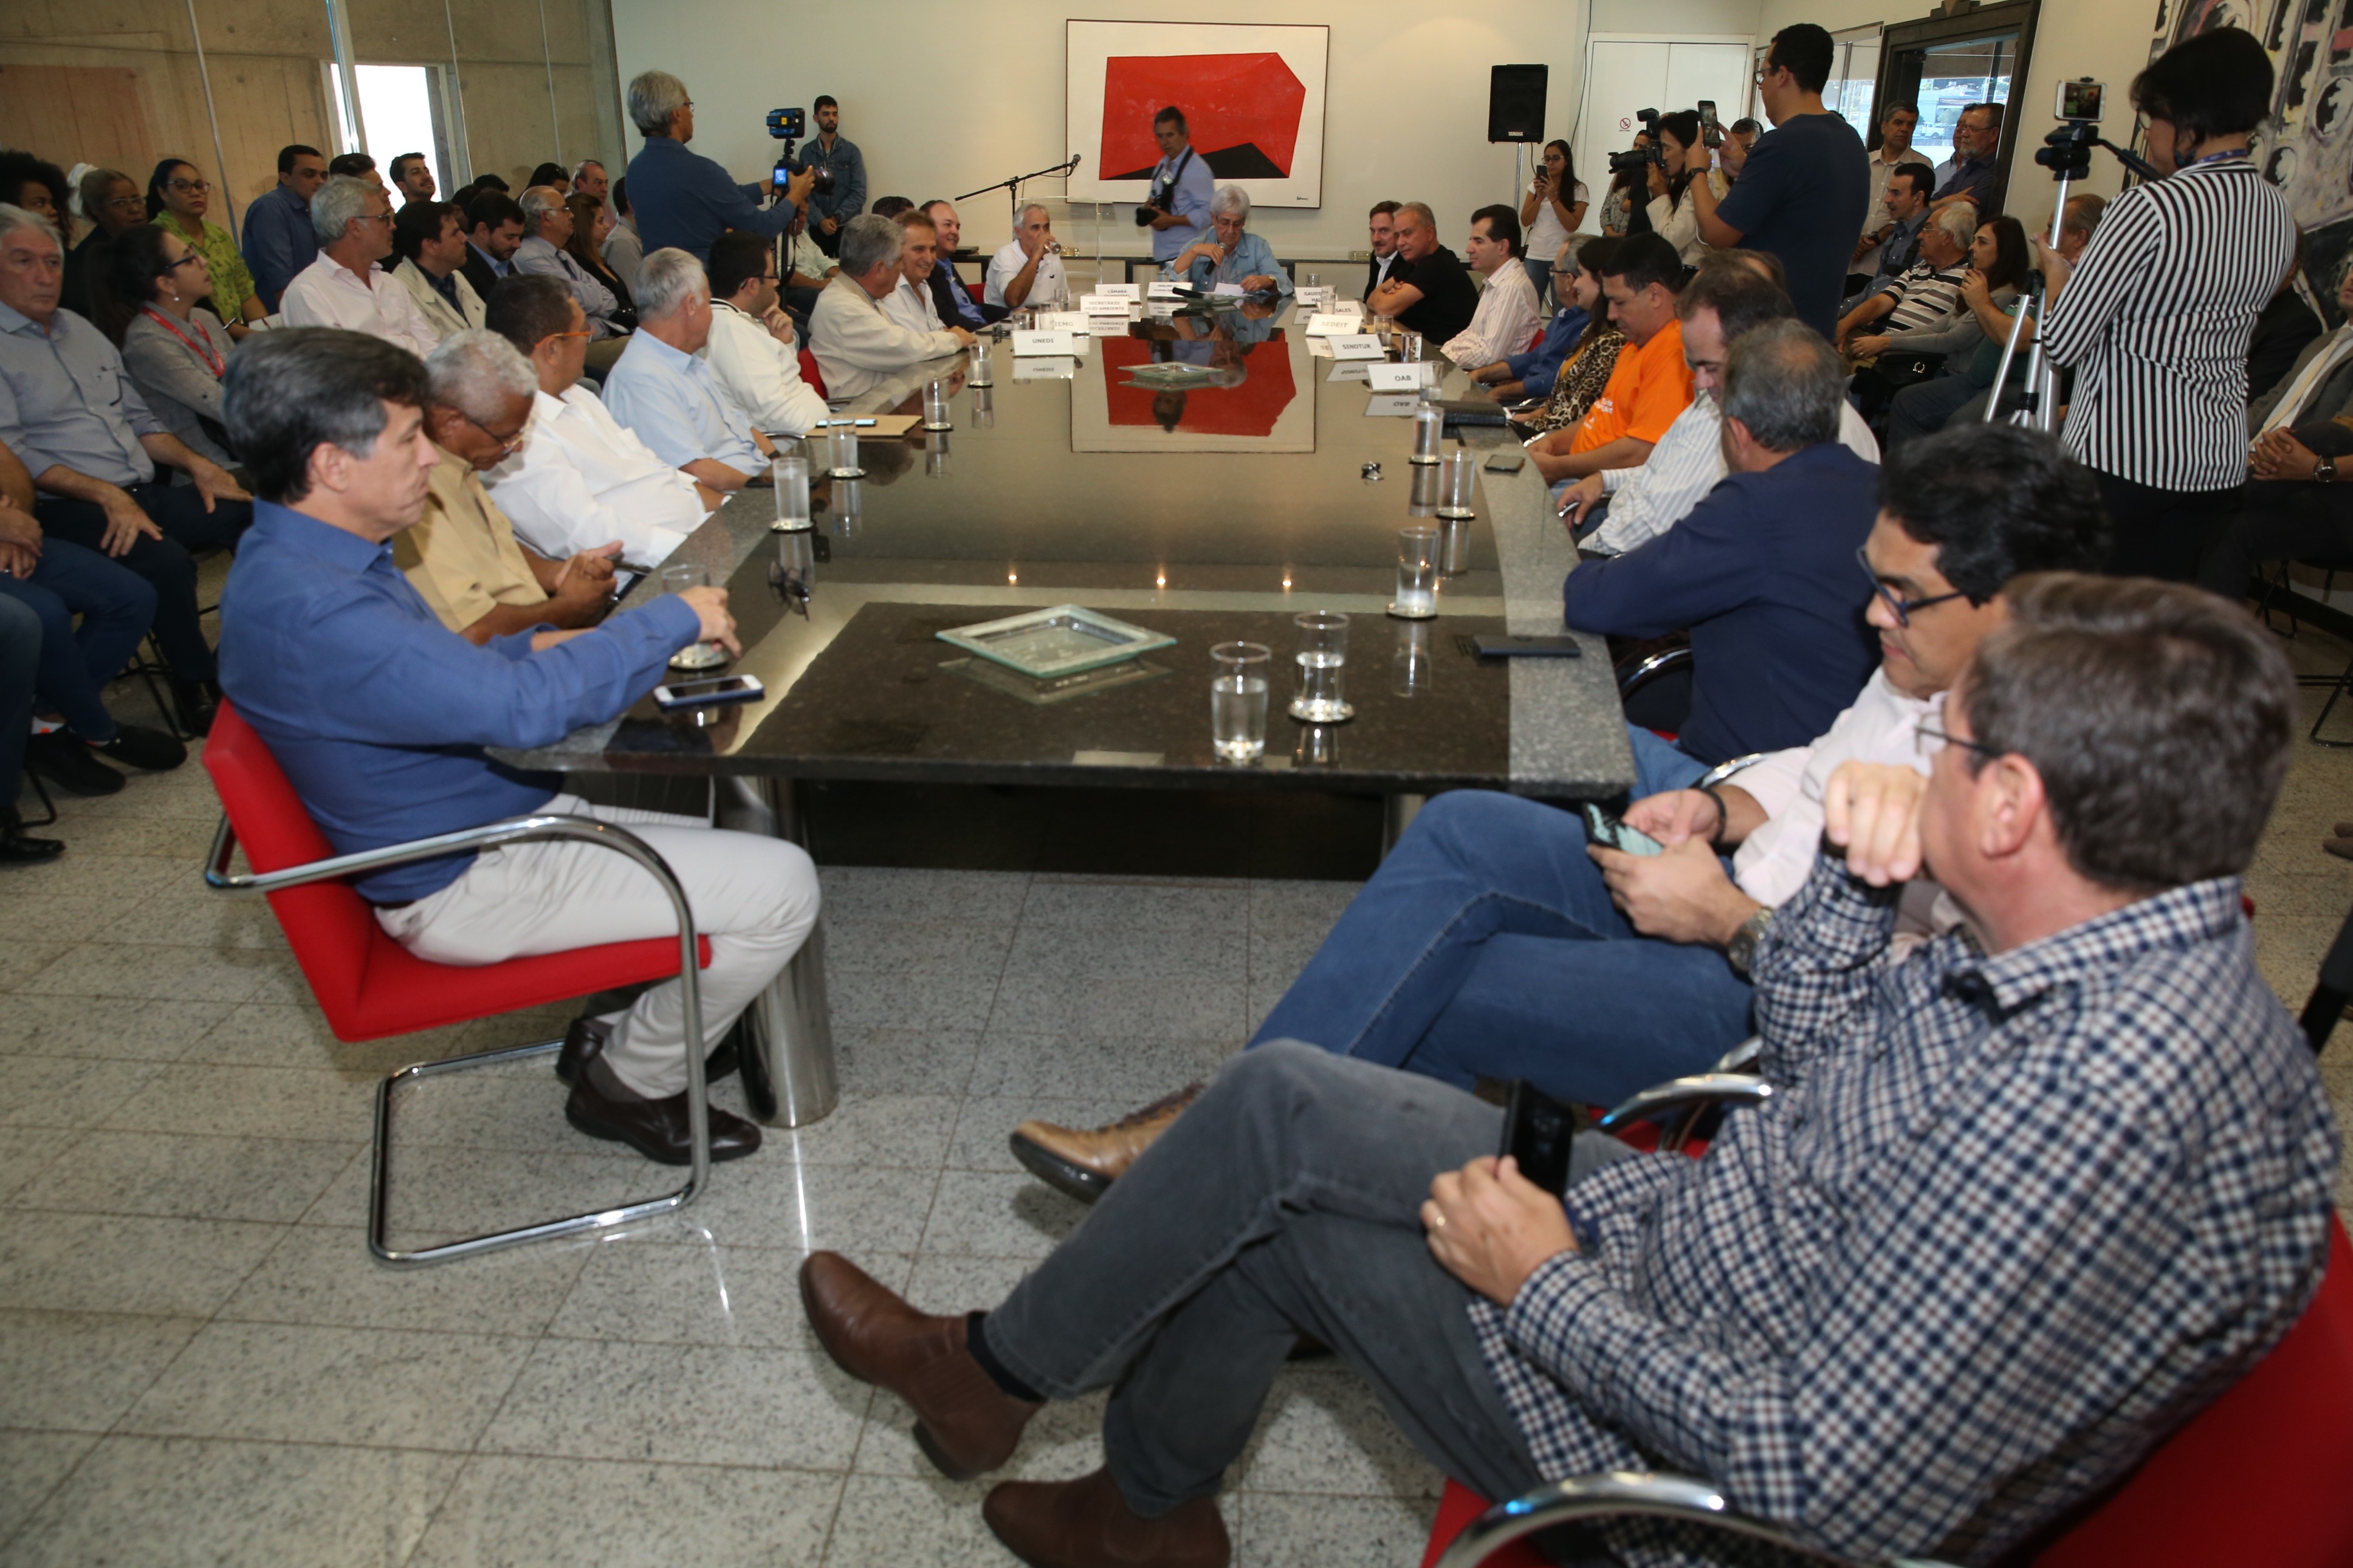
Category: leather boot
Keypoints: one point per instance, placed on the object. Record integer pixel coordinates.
(1086, 1523)
(965, 1424)
(1084, 1165)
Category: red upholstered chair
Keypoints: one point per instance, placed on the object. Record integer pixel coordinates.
(810, 374)
(369, 985)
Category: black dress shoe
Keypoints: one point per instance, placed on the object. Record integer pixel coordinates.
(19, 848)
(655, 1128)
(587, 1036)
(149, 751)
(66, 762)
(196, 701)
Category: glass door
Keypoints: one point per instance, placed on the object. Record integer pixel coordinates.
(1946, 64)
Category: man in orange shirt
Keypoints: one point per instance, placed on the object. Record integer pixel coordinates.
(1651, 385)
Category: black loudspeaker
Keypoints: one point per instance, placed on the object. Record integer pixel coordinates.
(1515, 103)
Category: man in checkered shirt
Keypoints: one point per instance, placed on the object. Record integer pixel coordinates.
(2021, 1203)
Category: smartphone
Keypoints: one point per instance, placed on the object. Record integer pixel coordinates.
(2080, 99)
(1711, 130)
(1496, 644)
(1607, 829)
(704, 693)
(1538, 1133)
(1505, 462)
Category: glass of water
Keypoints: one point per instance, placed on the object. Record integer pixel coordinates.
(981, 369)
(1411, 352)
(935, 404)
(1416, 581)
(695, 655)
(1323, 668)
(1457, 475)
(791, 473)
(1409, 667)
(1238, 701)
(841, 449)
(1428, 431)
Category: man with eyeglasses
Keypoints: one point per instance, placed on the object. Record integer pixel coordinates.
(754, 351)
(279, 241)
(1495, 943)
(462, 557)
(1533, 373)
(345, 287)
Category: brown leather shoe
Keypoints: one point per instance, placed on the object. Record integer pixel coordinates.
(1086, 1523)
(655, 1128)
(1085, 1164)
(965, 1424)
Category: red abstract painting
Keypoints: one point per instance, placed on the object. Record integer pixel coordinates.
(1243, 110)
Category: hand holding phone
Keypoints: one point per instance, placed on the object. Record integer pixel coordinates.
(1609, 830)
(1538, 1133)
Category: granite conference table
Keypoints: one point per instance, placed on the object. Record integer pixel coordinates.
(1212, 514)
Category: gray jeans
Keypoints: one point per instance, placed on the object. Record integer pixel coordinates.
(1285, 1201)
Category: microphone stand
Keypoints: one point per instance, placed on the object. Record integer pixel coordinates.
(1013, 185)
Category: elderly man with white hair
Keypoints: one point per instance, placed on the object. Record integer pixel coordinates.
(1028, 268)
(1926, 299)
(663, 391)
(684, 199)
(345, 286)
(1232, 256)
(546, 226)
(858, 347)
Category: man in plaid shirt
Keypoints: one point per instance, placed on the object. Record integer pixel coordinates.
(2020, 1204)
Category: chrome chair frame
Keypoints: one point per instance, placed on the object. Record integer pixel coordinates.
(513, 830)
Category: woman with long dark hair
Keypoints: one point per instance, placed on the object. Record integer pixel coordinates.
(1618, 202)
(1587, 369)
(591, 222)
(2156, 317)
(1555, 204)
(1663, 211)
(2001, 263)
(176, 350)
(178, 195)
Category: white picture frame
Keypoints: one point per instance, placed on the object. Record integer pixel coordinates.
(1235, 104)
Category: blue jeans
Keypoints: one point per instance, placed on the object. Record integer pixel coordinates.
(115, 608)
(1486, 946)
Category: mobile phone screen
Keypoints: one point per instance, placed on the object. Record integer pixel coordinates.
(719, 686)
(1606, 829)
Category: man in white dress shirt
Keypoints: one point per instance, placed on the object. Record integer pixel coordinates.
(345, 287)
(661, 389)
(1028, 268)
(752, 351)
(1505, 321)
(856, 346)
(909, 301)
(546, 226)
(582, 480)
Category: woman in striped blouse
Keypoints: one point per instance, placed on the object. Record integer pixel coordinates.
(2157, 317)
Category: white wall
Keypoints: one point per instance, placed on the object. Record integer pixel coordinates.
(1407, 92)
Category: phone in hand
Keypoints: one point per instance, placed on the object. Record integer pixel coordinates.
(1539, 1132)
(1610, 830)
(1711, 130)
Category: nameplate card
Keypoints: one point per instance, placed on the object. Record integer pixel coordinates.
(1391, 406)
(1053, 340)
(1321, 325)
(1354, 371)
(1058, 368)
(1061, 320)
(1316, 299)
(1103, 305)
(1128, 292)
(1162, 288)
(1359, 345)
(1401, 377)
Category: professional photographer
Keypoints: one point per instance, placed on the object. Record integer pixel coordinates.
(1177, 211)
(1803, 188)
(840, 192)
(2157, 317)
(1664, 207)
(683, 199)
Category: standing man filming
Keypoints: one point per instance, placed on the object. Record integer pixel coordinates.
(684, 199)
(830, 209)
(1177, 211)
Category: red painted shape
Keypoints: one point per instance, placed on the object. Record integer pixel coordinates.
(1249, 409)
(1227, 99)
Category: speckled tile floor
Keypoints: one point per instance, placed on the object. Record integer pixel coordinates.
(198, 1364)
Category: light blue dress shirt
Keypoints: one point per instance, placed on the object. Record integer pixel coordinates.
(1194, 189)
(541, 257)
(65, 403)
(1250, 257)
(379, 713)
(674, 406)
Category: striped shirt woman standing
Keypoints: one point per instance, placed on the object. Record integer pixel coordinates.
(2157, 317)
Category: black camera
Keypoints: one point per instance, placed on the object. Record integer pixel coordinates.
(788, 126)
(1163, 201)
(1620, 162)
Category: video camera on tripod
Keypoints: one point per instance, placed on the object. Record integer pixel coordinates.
(1620, 162)
(788, 126)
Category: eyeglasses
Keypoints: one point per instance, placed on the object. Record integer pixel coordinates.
(194, 256)
(1924, 733)
(506, 443)
(1900, 609)
(1564, 271)
(193, 187)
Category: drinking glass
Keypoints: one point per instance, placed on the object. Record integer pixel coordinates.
(1410, 668)
(841, 449)
(983, 403)
(936, 455)
(1453, 546)
(1429, 430)
(790, 471)
(981, 371)
(1238, 701)
(695, 655)
(935, 404)
(1456, 478)
(1315, 280)
(1422, 501)
(1411, 352)
(1323, 667)
(1416, 581)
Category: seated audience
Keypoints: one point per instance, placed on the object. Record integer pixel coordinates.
(178, 196)
(412, 179)
(279, 240)
(949, 296)
(1897, 120)
(754, 354)
(1230, 255)
(493, 232)
(1382, 226)
(622, 249)
(20, 656)
(547, 225)
(663, 390)
(2318, 386)
(1531, 373)
(1756, 570)
(551, 175)
(592, 223)
(1881, 1312)
(1506, 321)
(910, 302)
(347, 286)
(1976, 149)
(69, 413)
(41, 188)
(2286, 327)
(1664, 209)
(111, 201)
(1027, 270)
(1650, 383)
(1991, 296)
(856, 346)
(176, 350)
(492, 185)
(1495, 941)
(379, 716)
(1429, 291)
(589, 179)
(462, 557)
(429, 239)
(358, 166)
(1925, 302)
(1904, 208)
(1731, 294)
(1585, 373)
(581, 480)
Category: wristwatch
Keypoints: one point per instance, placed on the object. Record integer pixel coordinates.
(2323, 471)
(1741, 951)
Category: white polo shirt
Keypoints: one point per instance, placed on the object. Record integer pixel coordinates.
(1049, 287)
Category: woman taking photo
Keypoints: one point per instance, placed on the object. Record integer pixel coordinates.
(1618, 201)
(177, 198)
(1550, 212)
(1666, 212)
(2155, 316)
(175, 349)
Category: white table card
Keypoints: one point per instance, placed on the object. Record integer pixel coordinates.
(1104, 303)
(1401, 377)
(1062, 322)
(1163, 289)
(1062, 367)
(1051, 340)
(1227, 291)
(1119, 291)
(1320, 325)
(1362, 346)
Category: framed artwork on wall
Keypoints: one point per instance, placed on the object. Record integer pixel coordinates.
(1252, 97)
